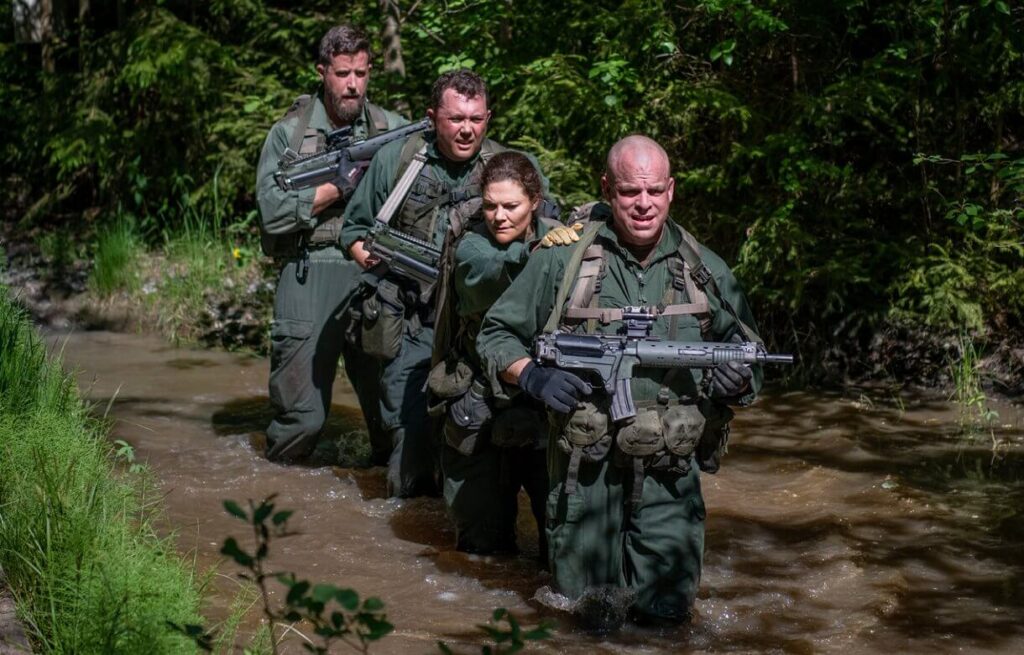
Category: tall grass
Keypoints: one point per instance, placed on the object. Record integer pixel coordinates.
(115, 257)
(976, 416)
(198, 258)
(77, 543)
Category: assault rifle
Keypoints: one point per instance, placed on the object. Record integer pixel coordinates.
(613, 356)
(301, 172)
(406, 256)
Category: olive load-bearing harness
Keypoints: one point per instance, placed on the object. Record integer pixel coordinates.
(305, 140)
(419, 198)
(695, 425)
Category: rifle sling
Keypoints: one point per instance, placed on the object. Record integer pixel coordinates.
(299, 133)
(391, 205)
(702, 277)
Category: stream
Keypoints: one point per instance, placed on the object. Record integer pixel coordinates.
(862, 522)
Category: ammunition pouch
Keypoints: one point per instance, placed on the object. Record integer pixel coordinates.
(448, 380)
(280, 246)
(642, 435)
(587, 427)
(683, 426)
(467, 420)
(518, 426)
(714, 438)
(586, 437)
(383, 321)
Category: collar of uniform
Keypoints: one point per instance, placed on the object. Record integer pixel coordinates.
(667, 245)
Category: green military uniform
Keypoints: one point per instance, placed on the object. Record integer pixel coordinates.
(481, 490)
(602, 530)
(314, 286)
(441, 186)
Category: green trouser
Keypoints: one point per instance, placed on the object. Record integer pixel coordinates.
(412, 468)
(307, 337)
(596, 537)
(481, 492)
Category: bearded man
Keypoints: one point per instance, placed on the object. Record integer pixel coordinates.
(300, 231)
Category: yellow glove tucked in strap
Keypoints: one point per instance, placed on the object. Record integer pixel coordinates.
(562, 235)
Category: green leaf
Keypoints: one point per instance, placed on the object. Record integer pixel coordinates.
(323, 592)
(373, 604)
(347, 598)
(262, 512)
(297, 591)
(232, 550)
(281, 516)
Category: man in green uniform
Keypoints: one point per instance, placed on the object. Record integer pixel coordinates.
(615, 515)
(448, 163)
(300, 231)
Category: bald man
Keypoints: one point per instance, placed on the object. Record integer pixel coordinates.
(625, 507)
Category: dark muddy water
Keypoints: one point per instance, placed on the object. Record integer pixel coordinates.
(838, 524)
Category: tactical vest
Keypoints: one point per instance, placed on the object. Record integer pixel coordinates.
(429, 197)
(666, 432)
(306, 140)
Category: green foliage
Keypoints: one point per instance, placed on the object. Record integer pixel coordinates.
(77, 543)
(334, 613)
(860, 161)
(115, 257)
(976, 417)
(508, 639)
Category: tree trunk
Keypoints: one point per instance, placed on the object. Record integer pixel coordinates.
(392, 39)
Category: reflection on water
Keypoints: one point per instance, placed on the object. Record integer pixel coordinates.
(837, 524)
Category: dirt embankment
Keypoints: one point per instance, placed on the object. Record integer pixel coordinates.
(236, 316)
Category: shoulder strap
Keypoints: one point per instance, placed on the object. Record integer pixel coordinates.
(378, 119)
(303, 107)
(701, 275)
(590, 212)
(401, 189)
(572, 269)
(415, 143)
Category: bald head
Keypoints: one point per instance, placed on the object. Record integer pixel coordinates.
(638, 186)
(636, 150)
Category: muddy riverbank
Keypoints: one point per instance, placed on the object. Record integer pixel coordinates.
(853, 523)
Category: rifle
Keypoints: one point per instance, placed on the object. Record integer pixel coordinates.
(409, 258)
(296, 172)
(612, 357)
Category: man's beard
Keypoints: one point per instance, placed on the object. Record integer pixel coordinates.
(345, 110)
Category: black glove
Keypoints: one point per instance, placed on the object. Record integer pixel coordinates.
(348, 175)
(558, 389)
(730, 379)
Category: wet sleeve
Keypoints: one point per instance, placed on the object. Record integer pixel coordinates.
(370, 195)
(519, 314)
(725, 327)
(483, 271)
(281, 212)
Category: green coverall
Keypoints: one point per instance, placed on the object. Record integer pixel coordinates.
(596, 535)
(413, 464)
(481, 490)
(307, 330)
